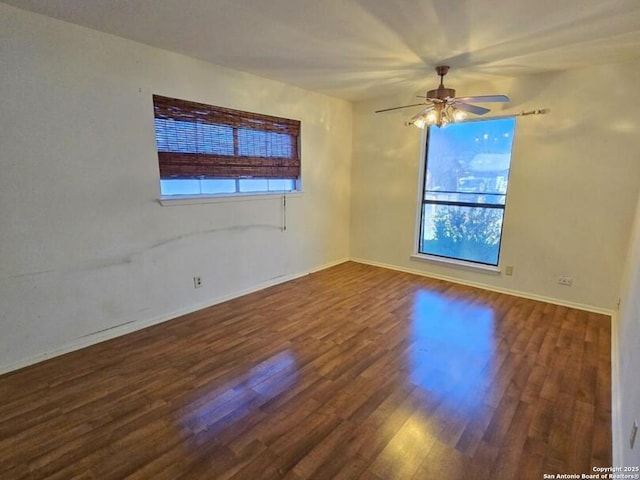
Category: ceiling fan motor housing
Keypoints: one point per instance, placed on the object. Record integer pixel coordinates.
(441, 93)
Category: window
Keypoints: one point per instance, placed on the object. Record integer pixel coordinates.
(465, 189)
(207, 150)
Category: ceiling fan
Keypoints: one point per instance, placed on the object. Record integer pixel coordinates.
(443, 107)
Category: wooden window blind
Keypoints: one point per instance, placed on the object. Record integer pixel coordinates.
(196, 140)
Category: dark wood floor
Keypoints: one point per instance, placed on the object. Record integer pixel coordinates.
(352, 372)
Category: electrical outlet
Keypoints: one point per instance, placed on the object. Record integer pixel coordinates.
(634, 430)
(566, 281)
(509, 270)
(197, 282)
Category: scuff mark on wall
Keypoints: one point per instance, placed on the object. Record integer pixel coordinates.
(107, 329)
(120, 260)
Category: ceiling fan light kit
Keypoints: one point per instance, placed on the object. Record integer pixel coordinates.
(440, 115)
(443, 107)
(421, 123)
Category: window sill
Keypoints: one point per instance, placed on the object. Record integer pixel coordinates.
(175, 200)
(456, 263)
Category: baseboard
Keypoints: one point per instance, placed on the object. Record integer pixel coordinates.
(517, 293)
(617, 435)
(130, 327)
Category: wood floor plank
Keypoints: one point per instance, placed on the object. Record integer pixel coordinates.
(405, 452)
(351, 372)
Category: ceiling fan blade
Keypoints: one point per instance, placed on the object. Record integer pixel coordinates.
(397, 108)
(421, 113)
(484, 98)
(466, 107)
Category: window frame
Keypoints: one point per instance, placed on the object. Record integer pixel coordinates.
(420, 201)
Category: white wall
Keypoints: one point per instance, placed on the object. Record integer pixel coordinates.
(572, 192)
(626, 387)
(84, 244)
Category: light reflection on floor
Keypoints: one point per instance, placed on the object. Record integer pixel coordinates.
(450, 345)
(225, 406)
(452, 342)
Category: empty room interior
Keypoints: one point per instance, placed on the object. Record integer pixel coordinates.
(280, 239)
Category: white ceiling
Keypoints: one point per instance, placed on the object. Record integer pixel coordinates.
(358, 49)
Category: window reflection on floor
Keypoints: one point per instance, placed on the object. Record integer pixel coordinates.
(225, 405)
(453, 342)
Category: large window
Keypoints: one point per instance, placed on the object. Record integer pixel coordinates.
(208, 150)
(465, 189)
